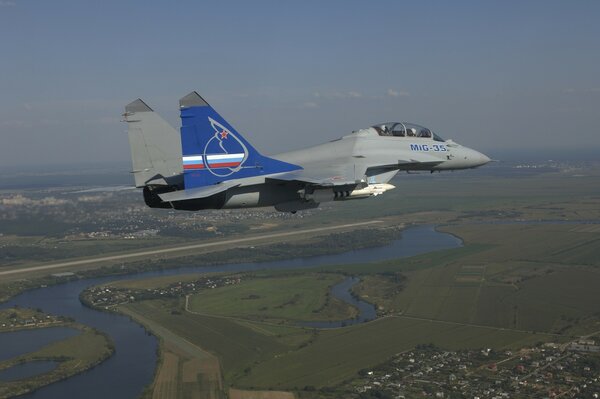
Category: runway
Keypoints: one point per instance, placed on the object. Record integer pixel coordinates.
(181, 248)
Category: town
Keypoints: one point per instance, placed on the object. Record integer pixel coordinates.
(22, 318)
(106, 297)
(544, 371)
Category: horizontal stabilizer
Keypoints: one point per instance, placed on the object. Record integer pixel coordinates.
(196, 193)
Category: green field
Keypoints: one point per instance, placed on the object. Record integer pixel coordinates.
(237, 344)
(511, 285)
(296, 297)
(525, 277)
(336, 355)
(256, 355)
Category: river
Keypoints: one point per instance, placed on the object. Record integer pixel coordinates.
(131, 368)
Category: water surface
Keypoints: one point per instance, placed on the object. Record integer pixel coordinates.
(26, 370)
(16, 343)
(342, 291)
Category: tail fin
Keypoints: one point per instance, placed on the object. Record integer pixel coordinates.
(213, 151)
(155, 146)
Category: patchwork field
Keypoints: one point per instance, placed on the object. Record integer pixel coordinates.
(529, 277)
(510, 286)
(258, 356)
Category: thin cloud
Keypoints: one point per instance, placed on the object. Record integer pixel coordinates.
(15, 124)
(582, 91)
(310, 104)
(394, 93)
(104, 120)
(4, 3)
(338, 95)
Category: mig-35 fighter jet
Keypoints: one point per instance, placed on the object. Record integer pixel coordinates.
(209, 165)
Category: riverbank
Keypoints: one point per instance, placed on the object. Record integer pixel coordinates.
(254, 323)
(180, 360)
(58, 360)
(335, 239)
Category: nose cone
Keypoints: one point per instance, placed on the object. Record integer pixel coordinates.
(475, 159)
(483, 159)
(460, 157)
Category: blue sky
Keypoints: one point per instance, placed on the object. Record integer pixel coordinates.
(493, 75)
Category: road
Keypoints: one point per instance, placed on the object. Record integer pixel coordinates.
(190, 359)
(457, 323)
(180, 248)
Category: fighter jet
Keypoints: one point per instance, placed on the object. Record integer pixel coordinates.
(210, 165)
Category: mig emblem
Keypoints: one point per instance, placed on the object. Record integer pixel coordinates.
(223, 155)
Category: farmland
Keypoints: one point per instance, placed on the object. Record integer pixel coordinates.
(510, 286)
(296, 297)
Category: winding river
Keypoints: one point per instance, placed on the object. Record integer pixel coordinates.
(131, 368)
(366, 310)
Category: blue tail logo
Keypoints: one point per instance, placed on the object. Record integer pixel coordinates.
(213, 151)
(223, 154)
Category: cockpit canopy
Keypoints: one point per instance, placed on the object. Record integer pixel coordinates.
(403, 129)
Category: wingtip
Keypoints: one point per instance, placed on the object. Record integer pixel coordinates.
(192, 100)
(137, 106)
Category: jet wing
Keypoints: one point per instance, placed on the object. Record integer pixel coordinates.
(327, 174)
(347, 172)
(199, 192)
(413, 165)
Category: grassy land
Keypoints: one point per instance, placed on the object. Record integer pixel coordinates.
(258, 356)
(296, 297)
(185, 370)
(509, 286)
(237, 344)
(526, 277)
(338, 354)
(74, 355)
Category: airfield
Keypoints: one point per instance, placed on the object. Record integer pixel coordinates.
(527, 274)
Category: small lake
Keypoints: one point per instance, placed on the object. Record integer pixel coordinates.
(26, 370)
(16, 343)
(131, 368)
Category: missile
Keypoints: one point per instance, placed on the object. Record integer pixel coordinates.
(372, 190)
(329, 194)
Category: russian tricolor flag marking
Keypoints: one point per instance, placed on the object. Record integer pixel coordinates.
(214, 161)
